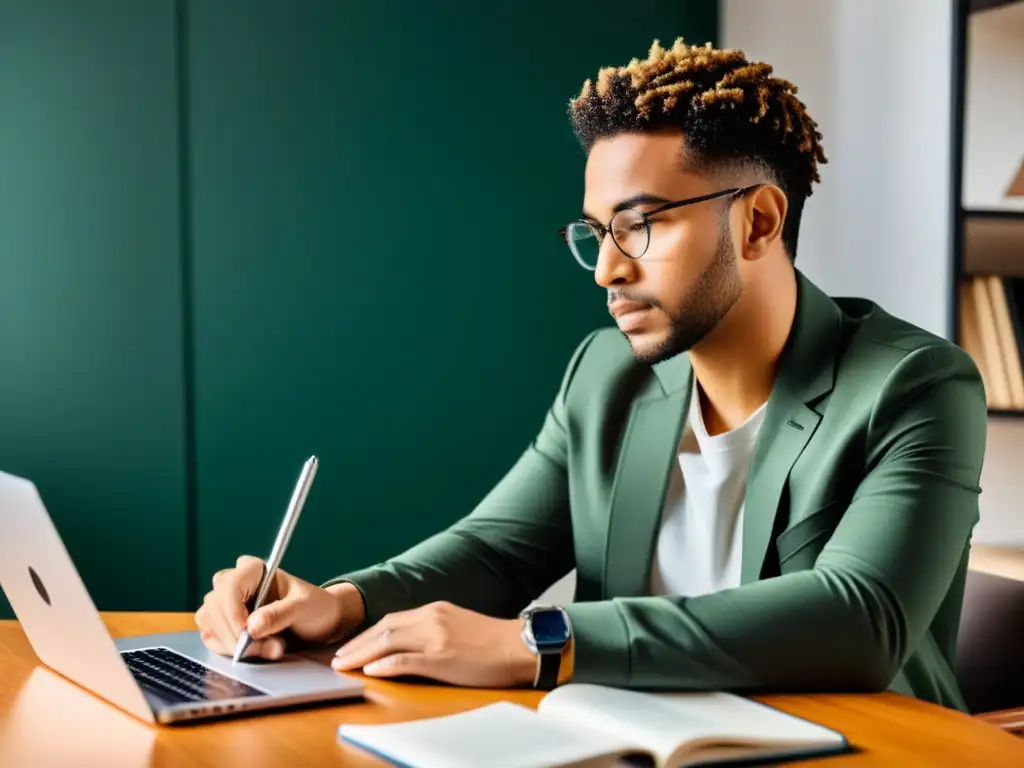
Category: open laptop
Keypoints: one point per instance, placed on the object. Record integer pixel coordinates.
(164, 678)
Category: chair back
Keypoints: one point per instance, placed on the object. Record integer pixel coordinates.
(990, 643)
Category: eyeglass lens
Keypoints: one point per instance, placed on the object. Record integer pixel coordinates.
(628, 229)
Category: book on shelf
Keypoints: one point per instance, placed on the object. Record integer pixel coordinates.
(991, 327)
(592, 725)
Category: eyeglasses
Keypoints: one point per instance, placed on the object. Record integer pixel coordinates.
(630, 229)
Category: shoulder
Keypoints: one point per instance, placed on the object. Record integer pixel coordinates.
(604, 349)
(603, 374)
(882, 350)
(896, 373)
(604, 354)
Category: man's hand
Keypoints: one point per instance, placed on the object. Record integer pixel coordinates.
(443, 642)
(311, 614)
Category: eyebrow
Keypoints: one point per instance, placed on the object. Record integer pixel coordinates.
(642, 198)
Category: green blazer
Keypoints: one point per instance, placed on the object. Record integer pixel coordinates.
(860, 504)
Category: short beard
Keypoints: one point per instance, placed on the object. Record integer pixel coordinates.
(717, 289)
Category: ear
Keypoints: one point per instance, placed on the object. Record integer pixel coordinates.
(764, 212)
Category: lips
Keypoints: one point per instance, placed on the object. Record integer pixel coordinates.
(629, 315)
(619, 308)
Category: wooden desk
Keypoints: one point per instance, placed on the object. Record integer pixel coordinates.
(47, 721)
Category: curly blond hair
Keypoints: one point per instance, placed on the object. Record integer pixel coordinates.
(731, 111)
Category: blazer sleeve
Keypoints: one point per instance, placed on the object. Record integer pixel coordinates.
(506, 552)
(851, 621)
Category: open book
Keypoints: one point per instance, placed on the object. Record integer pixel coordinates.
(583, 725)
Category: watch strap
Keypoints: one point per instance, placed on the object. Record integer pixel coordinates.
(547, 672)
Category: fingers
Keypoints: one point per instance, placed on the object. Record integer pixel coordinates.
(223, 614)
(272, 648)
(239, 584)
(269, 648)
(274, 617)
(402, 664)
(420, 630)
(214, 624)
(231, 588)
(440, 641)
(377, 639)
(212, 641)
(376, 643)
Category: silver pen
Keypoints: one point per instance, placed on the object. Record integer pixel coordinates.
(284, 535)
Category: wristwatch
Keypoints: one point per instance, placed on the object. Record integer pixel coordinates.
(546, 632)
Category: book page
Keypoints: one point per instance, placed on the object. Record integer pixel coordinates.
(500, 735)
(665, 722)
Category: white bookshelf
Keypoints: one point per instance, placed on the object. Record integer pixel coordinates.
(988, 151)
(993, 105)
(988, 105)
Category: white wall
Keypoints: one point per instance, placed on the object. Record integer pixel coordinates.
(876, 76)
(877, 225)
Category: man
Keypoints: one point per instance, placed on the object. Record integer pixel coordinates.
(760, 487)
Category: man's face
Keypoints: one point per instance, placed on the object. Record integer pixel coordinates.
(666, 301)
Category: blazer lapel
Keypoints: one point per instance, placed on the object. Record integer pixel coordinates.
(648, 449)
(788, 425)
(806, 374)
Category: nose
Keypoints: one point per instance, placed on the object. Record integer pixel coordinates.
(613, 266)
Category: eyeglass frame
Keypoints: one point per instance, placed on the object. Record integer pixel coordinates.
(601, 230)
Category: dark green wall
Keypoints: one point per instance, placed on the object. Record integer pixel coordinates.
(377, 188)
(90, 296)
(370, 200)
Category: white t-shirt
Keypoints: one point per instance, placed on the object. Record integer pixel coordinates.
(700, 544)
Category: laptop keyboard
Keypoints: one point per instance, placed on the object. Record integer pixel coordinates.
(177, 678)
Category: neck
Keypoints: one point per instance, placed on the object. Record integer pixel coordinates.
(735, 364)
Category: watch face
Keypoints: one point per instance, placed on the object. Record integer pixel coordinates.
(549, 629)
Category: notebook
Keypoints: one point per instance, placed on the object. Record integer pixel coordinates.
(587, 726)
